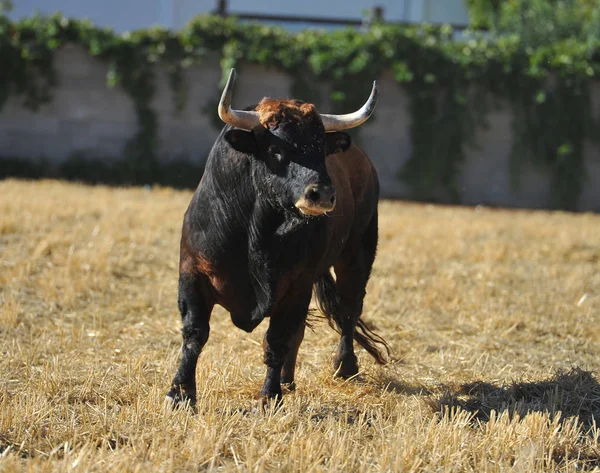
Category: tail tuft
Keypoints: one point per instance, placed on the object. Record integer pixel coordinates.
(329, 303)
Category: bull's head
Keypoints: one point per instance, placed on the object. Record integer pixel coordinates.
(292, 140)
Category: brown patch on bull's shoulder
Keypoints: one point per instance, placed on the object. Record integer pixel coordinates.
(271, 112)
(203, 265)
(196, 264)
(186, 265)
(186, 259)
(191, 262)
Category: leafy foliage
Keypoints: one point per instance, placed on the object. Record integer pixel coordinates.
(449, 82)
(537, 21)
(483, 13)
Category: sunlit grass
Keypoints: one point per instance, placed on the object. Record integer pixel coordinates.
(493, 316)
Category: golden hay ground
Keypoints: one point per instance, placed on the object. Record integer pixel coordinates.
(494, 317)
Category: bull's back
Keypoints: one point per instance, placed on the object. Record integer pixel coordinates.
(357, 182)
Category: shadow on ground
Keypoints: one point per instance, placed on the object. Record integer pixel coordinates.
(7, 447)
(571, 393)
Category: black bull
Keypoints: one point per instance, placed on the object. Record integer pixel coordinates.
(285, 197)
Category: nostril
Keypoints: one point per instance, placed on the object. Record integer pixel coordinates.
(313, 195)
(332, 200)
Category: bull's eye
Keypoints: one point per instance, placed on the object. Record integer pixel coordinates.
(275, 153)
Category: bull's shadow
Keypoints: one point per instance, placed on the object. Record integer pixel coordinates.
(573, 393)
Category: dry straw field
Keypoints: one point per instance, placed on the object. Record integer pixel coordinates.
(493, 316)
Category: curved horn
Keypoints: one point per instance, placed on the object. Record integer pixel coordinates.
(237, 118)
(352, 120)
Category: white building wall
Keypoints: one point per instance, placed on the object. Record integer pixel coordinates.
(123, 15)
(185, 10)
(438, 11)
(330, 8)
(445, 11)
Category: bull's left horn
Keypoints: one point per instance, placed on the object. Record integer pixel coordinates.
(246, 120)
(352, 120)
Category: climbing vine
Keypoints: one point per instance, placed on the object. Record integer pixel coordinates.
(452, 84)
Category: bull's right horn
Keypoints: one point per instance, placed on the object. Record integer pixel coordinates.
(246, 120)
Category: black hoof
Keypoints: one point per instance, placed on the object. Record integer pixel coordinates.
(178, 397)
(291, 386)
(346, 368)
(266, 401)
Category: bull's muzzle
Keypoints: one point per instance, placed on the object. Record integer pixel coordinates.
(317, 200)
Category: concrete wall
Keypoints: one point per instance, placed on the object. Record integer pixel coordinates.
(87, 117)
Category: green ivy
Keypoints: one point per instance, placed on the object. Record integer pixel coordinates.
(451, 85)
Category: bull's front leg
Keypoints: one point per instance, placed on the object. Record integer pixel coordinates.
(279, 341)
(288, 372)
(195, 307)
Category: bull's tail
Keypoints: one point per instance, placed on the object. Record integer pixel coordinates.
(329, 303)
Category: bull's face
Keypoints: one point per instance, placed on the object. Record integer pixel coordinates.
(291, 162)
(290, 141)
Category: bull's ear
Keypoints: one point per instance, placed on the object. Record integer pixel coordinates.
(337, 142)
(242, 141)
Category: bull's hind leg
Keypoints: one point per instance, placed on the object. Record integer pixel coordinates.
(195, 307)
(352, 274)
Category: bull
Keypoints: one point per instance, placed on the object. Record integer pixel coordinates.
(285, 197)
